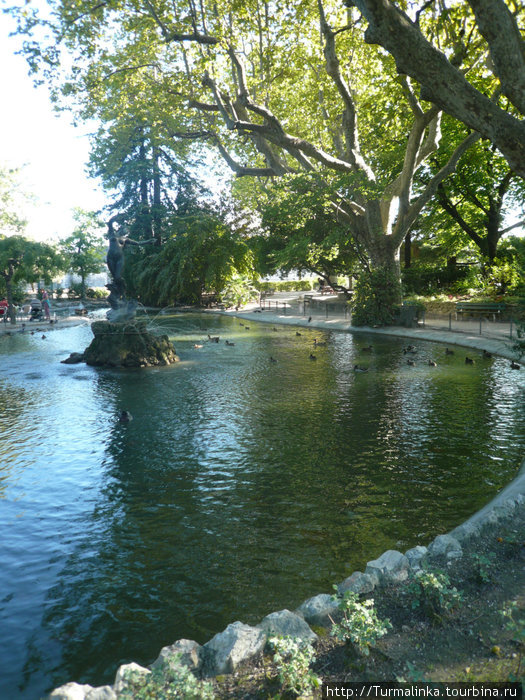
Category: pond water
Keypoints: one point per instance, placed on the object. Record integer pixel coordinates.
(242, 486)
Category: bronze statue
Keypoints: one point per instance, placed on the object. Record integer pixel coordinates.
(115, 262)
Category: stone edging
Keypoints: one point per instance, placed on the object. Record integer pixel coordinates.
(239, 643)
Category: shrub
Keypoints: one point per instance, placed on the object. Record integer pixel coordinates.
(360, 624)
(431, 591)
(170, 682)
(293, 658)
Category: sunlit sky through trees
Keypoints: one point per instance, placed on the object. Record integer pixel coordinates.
(51, 152)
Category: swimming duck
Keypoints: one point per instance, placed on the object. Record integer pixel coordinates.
(469, 361)
(197, 346)
(487, 354)
(313, 357)
(246, 328)
(319, 343)
(230, 344)
(309, 319)
(431, 363)
(125, 417)
(367, 349)
(272, 359)
(409, 350)
(360, 369)
(449, 352)
(43, 337)
(297, 333)
(515, 365)
(411, 363)
(213, 338)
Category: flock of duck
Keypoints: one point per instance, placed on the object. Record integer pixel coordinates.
(409, 350)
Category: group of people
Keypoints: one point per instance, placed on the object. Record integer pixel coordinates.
(37, 307)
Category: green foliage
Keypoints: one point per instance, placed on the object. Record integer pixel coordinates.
(287, 286)
(377, 295)
(76, 290)
(483, 566)
(11, 200)
(360, 624)
(239, 291)
(203, 253)
(431, 591)
(170, 682)
(96, 293)
(431, 279)
(84, 250)
(519, 344)
(293, 658)
(502, 276)
(515, 624)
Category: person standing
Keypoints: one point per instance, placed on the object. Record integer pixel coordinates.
(46, 306)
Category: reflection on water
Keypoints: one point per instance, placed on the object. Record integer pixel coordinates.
(241, 486)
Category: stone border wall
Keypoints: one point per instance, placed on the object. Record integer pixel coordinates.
(239, 643)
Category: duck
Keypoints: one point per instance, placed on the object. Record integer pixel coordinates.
(515, 365)
(230, 344)
(319, 343)
(409, 350)
(431, 363)
(367, 349)
(309, 319)
(43, 336)
(360, 369)
(469, 361)
(411, 363)
(313, 357)
(297, 333)
(241, 323)
(449, 352)
(246, 328)
(274, 328)
(197, 346)
(272, 359)
(213, 338)
(487, 354)
(125, 417)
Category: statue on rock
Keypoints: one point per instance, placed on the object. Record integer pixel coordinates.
(123, 340)
(122, 309)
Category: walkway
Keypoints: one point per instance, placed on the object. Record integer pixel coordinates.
(288, 309)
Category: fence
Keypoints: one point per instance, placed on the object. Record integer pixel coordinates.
(337, 310)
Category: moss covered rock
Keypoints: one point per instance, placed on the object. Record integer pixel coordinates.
(128, 345)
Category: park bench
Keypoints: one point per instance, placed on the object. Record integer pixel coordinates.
(483, 308)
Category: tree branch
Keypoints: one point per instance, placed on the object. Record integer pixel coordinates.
(440, 81)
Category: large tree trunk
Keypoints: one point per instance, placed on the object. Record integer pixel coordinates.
(379, 291)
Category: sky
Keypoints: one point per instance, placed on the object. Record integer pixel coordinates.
(51, 152)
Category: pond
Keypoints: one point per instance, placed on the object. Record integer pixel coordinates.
(241, 487)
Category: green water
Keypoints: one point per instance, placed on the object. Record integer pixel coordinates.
(242, 486)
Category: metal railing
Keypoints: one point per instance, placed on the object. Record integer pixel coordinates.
(481, 325)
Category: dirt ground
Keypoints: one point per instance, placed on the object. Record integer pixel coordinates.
(471, 641)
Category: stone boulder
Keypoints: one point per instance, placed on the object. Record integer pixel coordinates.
(320, 610)
(238, 643)
(390, 567)
(415, 556)
(184, 652)
(358, 583)
(123, 673)
(286, 624)
(105, 692)
(128, 345)
(445, 546)
(70, 691)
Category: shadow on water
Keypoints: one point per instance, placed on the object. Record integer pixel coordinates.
(241, 486)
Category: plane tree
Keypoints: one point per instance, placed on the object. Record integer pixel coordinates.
(277, 89)
(443, 74)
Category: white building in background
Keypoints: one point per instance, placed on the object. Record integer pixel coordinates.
(94, 281)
